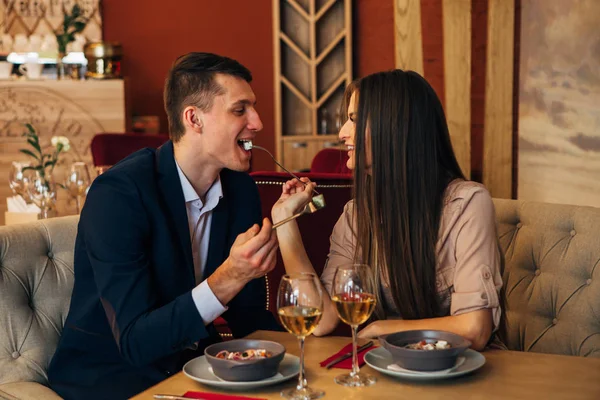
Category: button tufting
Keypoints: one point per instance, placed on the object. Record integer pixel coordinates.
(15, 355)
(519, 225)
(573, 233)
(50, 254)
(487, 275)
(588, 282)
(537, 272)
(554, 321)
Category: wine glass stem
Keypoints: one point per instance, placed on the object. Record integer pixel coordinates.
(354, 351)
(78, 201)
(301, 380)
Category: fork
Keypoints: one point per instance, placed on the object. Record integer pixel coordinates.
(317, 203)
(282, 167)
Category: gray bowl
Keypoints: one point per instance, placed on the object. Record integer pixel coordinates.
(424, 360)
(245, 370)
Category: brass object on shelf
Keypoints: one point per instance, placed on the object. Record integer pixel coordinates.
(104, 60)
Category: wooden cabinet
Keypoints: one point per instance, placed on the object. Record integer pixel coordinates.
(313, 65)
(299, 151)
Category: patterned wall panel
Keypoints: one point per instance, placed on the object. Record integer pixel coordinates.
(41, 17)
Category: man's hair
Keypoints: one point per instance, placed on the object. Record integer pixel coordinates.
(191, 82)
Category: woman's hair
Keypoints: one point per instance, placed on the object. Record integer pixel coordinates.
(399, 197)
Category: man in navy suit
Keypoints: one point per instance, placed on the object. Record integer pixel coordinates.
(169, 240)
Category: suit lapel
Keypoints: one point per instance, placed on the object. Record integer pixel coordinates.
(172, 194)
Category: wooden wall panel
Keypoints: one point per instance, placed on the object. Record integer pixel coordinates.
(468, 53)
(432, 26)
(478, 66)
(498, 129)
(408, 35)
(75, 109)
(457, 77)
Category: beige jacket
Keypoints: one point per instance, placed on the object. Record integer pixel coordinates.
(468, 257)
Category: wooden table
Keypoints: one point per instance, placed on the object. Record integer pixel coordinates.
(506, 375)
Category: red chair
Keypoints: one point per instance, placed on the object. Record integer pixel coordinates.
(331, 161)
(315, 228)
(110, 148)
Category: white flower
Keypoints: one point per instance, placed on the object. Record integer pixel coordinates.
(63, 140)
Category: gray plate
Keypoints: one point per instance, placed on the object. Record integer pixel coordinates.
(198, 370)
(380, 358)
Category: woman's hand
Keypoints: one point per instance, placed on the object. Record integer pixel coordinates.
(476, 326)
(294, 197)
(373, 330)
(381, 327)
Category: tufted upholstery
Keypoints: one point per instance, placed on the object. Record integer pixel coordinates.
(551, 293)
(36, 279)
(315, 228)
(110, 148)
(551, 296)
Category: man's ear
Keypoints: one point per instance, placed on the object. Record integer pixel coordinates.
(192, 118)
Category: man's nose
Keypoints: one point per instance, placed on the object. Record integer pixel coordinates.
(254, 122)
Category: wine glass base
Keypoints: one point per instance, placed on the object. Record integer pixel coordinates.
(358, 380)
(302, 394)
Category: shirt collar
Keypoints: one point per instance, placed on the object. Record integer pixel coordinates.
(214, 194)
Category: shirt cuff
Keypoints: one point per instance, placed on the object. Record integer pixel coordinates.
(209, 307)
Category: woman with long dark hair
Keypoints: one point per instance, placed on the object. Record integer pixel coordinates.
(429, 233)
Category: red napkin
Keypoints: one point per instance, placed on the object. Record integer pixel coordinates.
(347, 363)
(218, 396)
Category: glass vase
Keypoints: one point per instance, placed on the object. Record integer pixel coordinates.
(60, 66)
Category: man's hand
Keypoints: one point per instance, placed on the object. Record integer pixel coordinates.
(252, 255)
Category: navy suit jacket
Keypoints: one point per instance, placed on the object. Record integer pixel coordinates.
(132, 321)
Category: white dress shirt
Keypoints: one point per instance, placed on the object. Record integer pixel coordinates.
(199, 221)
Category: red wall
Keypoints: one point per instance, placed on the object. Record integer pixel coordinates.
(373, 30)
(155, 32)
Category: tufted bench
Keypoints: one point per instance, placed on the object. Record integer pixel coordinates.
(36, 279)
(551, 296)
(551, 292)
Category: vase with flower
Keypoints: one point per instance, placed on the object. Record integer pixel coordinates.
(73, 23)
(40, 187)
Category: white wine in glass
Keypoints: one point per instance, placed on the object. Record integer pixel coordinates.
(78, 182)
(300, 321)
(300, 307)
(354, 300)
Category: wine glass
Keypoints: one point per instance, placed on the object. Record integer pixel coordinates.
(354, 299)
(41, 189)
(100, 169)
(17, 178)
(300, 307)
(77, 182)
